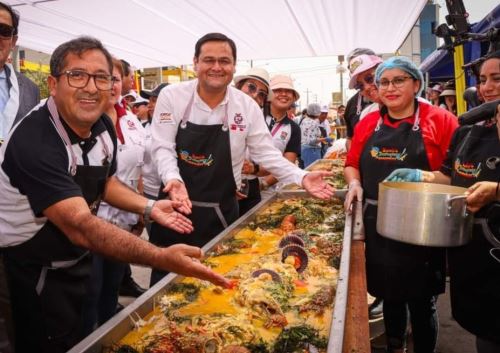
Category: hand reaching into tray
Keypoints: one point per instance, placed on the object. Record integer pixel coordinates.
(184, 260)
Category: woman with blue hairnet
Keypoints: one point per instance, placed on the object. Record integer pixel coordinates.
(473, 161)
(403, 133)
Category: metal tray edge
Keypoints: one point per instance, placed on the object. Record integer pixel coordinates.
(145, 303)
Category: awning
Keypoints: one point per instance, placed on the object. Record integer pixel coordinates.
(151, 33)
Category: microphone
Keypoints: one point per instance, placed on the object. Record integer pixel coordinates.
(481, 113)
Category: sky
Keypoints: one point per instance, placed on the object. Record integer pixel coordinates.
(316, 78)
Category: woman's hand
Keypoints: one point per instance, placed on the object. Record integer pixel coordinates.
(355, 191)
(481, 194)
(406, 174)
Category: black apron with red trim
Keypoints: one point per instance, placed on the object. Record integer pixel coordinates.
(48, 274)
(205, 165)
(395, 270)
(474, 273)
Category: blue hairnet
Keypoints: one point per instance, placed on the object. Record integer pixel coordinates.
(402, 63)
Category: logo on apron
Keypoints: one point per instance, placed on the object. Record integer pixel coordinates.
(388, 154)
(196, 160)
(467, 169)
(238, 119)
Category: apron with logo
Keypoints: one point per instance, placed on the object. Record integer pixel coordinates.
(395, 270)
(474, 273)
(48, 274)
(205, 165)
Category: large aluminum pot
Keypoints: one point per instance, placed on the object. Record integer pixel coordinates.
(424, 214)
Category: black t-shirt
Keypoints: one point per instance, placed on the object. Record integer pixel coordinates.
(35, 169)
(351, 115)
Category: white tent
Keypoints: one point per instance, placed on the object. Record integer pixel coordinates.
(150, 33)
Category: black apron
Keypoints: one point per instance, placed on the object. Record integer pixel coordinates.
(474, 273)
(205, 165)
(47, 274)
(395, 270)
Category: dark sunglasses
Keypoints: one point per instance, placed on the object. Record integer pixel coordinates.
(6, 31)
(368, 79)
(252, 88)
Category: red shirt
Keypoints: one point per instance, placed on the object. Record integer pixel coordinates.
(436, 124)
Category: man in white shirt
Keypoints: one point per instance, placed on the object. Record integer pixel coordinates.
(326, 130)
(201, 130)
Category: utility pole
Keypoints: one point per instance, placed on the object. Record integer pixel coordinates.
(307, 96)
(340, 70)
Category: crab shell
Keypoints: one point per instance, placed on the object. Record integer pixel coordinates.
(291, 239)
(274, 275)
(300, 255)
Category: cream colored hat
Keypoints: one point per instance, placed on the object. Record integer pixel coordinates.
(255, 73)
(283, 82)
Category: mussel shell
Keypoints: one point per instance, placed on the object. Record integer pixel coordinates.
(274, 275)
(211, 346)
(291, 239)
(296, 251)
(298, 232)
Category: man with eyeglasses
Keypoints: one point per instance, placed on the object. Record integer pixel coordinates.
(56, 166)
(201, 130)
(18, 94)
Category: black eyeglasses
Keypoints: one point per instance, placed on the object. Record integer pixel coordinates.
(397, 82)
(6, 31)
(252, 88)
(368, 79)
(80, 79)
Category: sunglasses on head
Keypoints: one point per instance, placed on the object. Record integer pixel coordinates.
(252, 88)
(368, 79)
(6, 31)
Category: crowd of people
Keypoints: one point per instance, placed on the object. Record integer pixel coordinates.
(195, 156)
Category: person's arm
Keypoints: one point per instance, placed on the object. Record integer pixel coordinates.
(291, 152)
(263, 152)
(73, 218)
(353, 180)
(269, 180)
(121, 196)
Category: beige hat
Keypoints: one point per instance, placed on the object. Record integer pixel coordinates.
(255, 73)
(448, 92)
(283, 82)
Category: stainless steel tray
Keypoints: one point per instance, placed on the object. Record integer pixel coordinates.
(123, 322)
(328, 162)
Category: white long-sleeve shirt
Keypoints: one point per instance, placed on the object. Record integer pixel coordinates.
(246, 129)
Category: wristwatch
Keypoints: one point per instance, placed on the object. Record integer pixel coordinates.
(147, 211)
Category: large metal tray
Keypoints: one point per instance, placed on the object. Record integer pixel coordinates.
(123, 322)
(317, 165)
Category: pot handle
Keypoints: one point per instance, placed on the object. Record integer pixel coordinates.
(465, 213)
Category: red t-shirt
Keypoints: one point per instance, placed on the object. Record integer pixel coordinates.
(436, 124)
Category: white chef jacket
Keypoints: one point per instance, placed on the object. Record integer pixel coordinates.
(150, 178)
(129, 159)
(246, 129)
